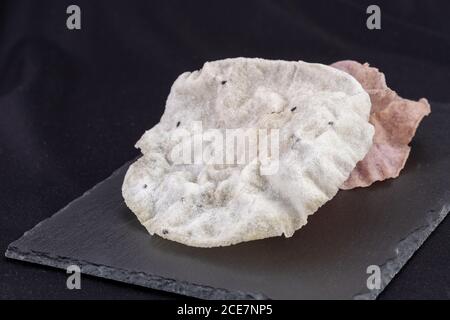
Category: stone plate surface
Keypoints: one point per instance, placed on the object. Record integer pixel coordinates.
(381, 225)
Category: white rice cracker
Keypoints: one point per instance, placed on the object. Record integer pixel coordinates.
(321, 115)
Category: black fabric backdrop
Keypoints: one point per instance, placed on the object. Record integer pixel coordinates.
(73, 103)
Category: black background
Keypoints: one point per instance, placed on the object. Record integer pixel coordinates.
(73, 103)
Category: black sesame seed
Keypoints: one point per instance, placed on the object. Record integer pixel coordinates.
(165, 231)
(293, 109)
(178, 124)
(223, 82)
(145, 186)
(331, 123)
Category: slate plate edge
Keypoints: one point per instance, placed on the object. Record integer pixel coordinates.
(137, 277)
(404, 251)
(132, 277)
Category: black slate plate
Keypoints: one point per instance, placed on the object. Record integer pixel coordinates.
(382, 225)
